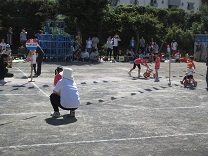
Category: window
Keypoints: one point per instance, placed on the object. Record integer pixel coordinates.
(134, 2)
(154, 3)
(162, 2)
(190, 6)
(181, 4)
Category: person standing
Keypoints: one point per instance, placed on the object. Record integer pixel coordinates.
(115, 40)
(95, 41)
(89, 45)
(198, 51)
(10, 37)
(39, 59)
(174, 47)
(132, 43)
(109, 45)
(142, 44)
(23, 37)
(65, 94)
(207, 72)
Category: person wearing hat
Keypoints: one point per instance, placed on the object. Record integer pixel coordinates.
(65, 94)
(3, 68)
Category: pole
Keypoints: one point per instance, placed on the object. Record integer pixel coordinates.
(169, 53)
(31, 72)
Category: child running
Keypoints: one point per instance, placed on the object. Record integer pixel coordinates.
(157, 66)
(58, 76)
(137, 62)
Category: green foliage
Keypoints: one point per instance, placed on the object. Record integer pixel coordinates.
(185, 39)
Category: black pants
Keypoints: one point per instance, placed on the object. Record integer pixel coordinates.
(55, 102)
(109, 52)
(4, 73)
(34, 68)
(207, 77)
(115, 51)
(39, 63)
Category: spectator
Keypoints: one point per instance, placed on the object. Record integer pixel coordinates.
(174, 47)
(3, 68)
(115, 40)
(84, 56)
(9, 53)
(109, 46)
(89, 45)
(177, 57)
(39, 60)
(198, 51)
(95, 41)
(131, 55)
(65, 94)
(3, 45)
(156, 47)
(10, 37)
(94, 56)
(142, 44)
(207, 72)
(23, 37)
(132, 44)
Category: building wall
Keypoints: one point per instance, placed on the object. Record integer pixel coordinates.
(186, 5)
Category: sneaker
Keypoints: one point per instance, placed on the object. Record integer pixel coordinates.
(129, 74)
(55, 114)
(72, 113)
(156, 80)
(139, 76)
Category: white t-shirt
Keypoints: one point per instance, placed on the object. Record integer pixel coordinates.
(174, 45)
(84, 55)
(69, 95)
(3, 46)
(95, 41)
(93, 56)
(115, 42)
(89, 44)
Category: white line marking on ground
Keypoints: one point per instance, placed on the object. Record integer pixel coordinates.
(123, 109)
(33, 82)
(17, 94)
(100, 141)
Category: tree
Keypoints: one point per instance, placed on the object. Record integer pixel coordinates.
(87, 14)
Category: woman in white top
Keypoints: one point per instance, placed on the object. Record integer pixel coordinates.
(65, 94)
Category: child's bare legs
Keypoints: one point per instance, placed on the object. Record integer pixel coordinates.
(183, 79)
(9, 59)
(156, 73)
(139, 72)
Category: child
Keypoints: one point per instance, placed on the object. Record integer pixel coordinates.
(32, 57)
(157, 66)
(190, 69)
(3, 68)
(58, 76)
(9, 53)
(137, 63)
(65, 94)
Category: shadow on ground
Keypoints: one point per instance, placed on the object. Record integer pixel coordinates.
(64, 120)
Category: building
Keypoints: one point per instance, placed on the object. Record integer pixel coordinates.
(187, 5)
